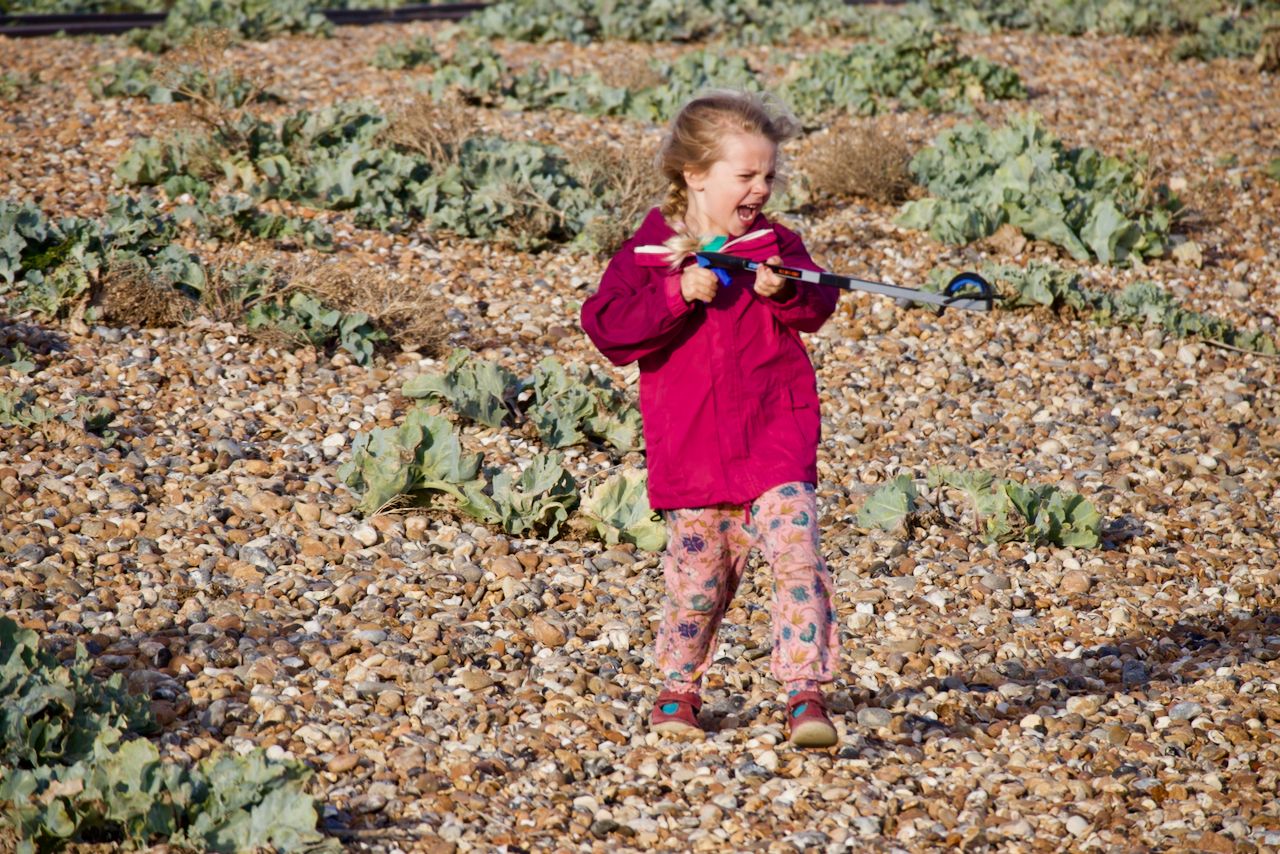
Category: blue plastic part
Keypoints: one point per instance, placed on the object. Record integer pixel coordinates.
(722, 275)
(968, 280)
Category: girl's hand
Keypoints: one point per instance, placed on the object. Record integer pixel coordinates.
(698, 284)
(769, 283)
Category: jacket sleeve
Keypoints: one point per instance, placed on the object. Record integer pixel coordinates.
(634, 314)
(806, 306)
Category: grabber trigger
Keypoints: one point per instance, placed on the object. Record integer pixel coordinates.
(722, 275)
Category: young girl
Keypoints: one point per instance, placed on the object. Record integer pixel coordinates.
(729, 403)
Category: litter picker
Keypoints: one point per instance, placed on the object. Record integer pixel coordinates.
(966, 290)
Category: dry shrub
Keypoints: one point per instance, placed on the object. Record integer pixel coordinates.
(130, 294)
(631, 71)
(229, 293)
(628, 184)
(860, 161)
(192, 70)
(413, 319)
(409, 317)
(434, 129)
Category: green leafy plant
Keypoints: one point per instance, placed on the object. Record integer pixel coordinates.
(129, 78)
(1092, 205)
(72, 769)
(306, 319)
(24, 231)
(570, 408)
(521, 193)
(253, 20)
(1146, 302)
(235, 217)
(417, 461)
(58, 262)
(1074, 17)
(618, 509)
(94, 418)
(538, 501)
(745, 21)
(15, 85)
(176, 82)
(1054, 516)
(915, 69)
(407, 54)
(18, 409)
(889, 506)
(911, 68)
(477, 389)
(17, 358)
(1226, 35)
(1003, 510)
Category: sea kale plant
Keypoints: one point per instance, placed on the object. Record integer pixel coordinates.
(75, 769)
(1075, 17)
(415, 463)
(570, 408)
(618, 509)
(477, 389)
(48, 266)
(538, 501)
(517, 192)
(422, 461)
(1093, 205)
(905, 67)
(252, 20)
(1000, 510)
(744, 21)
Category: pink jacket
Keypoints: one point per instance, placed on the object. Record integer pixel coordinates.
(727, 393)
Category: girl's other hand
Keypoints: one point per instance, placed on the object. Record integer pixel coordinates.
(698, 284)
(769, 283)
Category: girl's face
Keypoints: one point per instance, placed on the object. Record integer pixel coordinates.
(725, 199)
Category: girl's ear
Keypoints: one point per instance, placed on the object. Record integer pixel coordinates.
(695, 180)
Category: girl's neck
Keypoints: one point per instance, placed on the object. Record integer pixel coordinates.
(697, 224)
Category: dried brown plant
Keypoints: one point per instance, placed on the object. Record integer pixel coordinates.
(412, 318)
(627, 183)
(130, 294)
(630, 70)
(227, 298)
(192, 71)
(435, 129)
(860, 161)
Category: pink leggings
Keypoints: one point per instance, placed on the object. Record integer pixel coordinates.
(707, 549)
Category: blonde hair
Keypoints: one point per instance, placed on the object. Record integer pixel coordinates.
(693, 143)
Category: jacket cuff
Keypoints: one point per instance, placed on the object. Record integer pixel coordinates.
(675, 300)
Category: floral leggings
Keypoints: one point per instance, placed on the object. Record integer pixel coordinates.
(707, 549)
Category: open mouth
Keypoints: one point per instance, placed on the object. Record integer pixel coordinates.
(747, 213)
